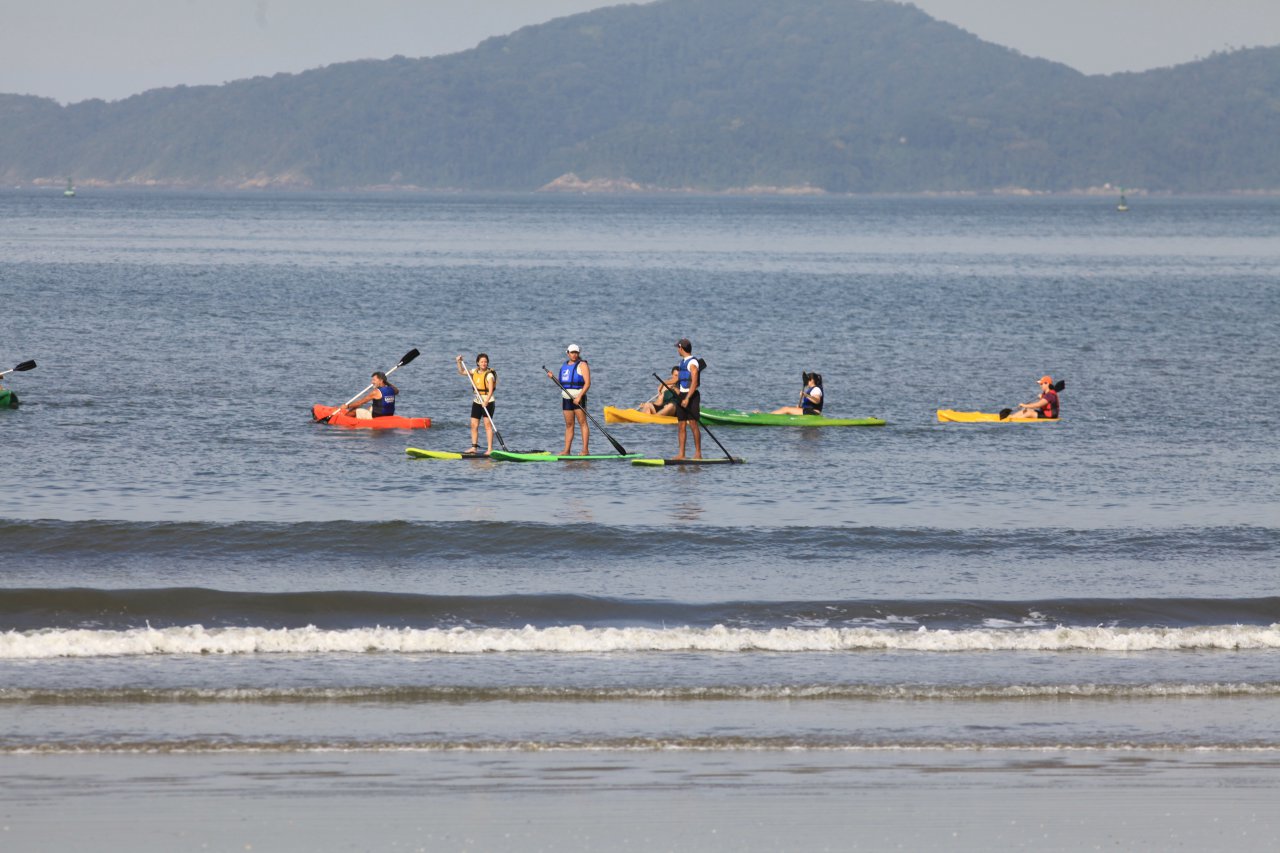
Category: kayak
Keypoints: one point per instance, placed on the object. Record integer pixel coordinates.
(614, 415)
(721, 460)
(8, 399)
(389, 422)
(734, 416)
(508, 456)
(951, 416)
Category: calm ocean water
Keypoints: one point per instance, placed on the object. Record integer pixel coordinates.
(190, 565)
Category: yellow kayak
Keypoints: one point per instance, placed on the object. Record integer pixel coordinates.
(614, 415)
(951, 416)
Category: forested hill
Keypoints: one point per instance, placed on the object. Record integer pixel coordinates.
(841, 95)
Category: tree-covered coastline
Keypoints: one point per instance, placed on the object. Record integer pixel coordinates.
(699, 95)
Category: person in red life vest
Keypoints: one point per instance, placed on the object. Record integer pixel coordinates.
(1045, 407)
(382, 399)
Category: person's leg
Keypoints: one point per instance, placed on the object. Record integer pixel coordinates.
(568, 431)
(697, 439)
(680, 427)
(488, 433)
(586, 431)
(475, 426)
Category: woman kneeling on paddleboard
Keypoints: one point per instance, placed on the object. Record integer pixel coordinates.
(382, 399)
(810, 397)
(1045, 407)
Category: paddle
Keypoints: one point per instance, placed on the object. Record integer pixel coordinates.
(408, 357)
(483, 408)
(26, 365)
(726, 453)
(622, 451)
(1057, 386)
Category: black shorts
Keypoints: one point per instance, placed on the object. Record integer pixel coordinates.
(691, 412)
(477, 410)
(569, 406)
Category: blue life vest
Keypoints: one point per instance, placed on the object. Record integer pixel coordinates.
(570, 378)
(685, 375)
(811, 408)
(387, 405)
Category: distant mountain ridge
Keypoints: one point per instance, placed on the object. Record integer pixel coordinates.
(707, 95)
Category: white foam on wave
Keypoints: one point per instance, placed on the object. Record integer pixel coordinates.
(198, 640)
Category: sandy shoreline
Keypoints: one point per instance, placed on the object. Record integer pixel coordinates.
(767, 800)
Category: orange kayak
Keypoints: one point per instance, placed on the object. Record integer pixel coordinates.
(389, 422)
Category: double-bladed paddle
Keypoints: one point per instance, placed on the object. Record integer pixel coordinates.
(680, 405)
(24, 366)
(1057, 386)
(408, 357)
(622, 451)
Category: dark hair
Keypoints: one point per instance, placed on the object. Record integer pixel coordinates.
(380, 375)
(481, 355)
(816, 377)
(684, 344)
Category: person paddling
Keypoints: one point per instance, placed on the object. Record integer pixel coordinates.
(664, 402)
(1044, 407)
(485, 382)
(574, 380)
(810, 397)
(382, 399)
(688, 403)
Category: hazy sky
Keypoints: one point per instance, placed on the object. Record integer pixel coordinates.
(77, 49)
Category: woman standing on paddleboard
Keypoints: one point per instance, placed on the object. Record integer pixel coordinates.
(574, 381)
(485, 382)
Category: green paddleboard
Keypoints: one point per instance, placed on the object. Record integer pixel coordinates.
(735, 416)
(419, 453)
(552, 457)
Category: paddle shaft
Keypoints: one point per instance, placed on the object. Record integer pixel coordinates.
(680, 405)
(616, 446)
(408, 357)
(483, 407)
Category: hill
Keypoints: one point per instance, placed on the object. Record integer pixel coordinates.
(840, 95)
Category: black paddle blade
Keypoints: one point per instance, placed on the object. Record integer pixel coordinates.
(408, 357)
(1004, 413)
(1060, 384)
(26, 365)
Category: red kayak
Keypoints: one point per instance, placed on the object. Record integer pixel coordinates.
(388, 422)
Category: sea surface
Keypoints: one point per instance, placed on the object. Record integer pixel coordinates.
(194, 575)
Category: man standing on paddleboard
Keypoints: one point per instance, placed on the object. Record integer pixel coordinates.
(688, 403)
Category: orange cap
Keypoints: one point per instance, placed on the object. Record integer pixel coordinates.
(1048, 379)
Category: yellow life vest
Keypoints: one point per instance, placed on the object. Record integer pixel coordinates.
(478, 377)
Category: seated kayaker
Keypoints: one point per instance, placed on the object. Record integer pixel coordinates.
(381, 399)
(664, 402)
(1046, 406)
(810, 397)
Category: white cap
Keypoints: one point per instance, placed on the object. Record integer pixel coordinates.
(573, 348)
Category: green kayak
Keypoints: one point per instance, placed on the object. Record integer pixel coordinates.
(552, 457)
(8, 399)
(734, 416)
